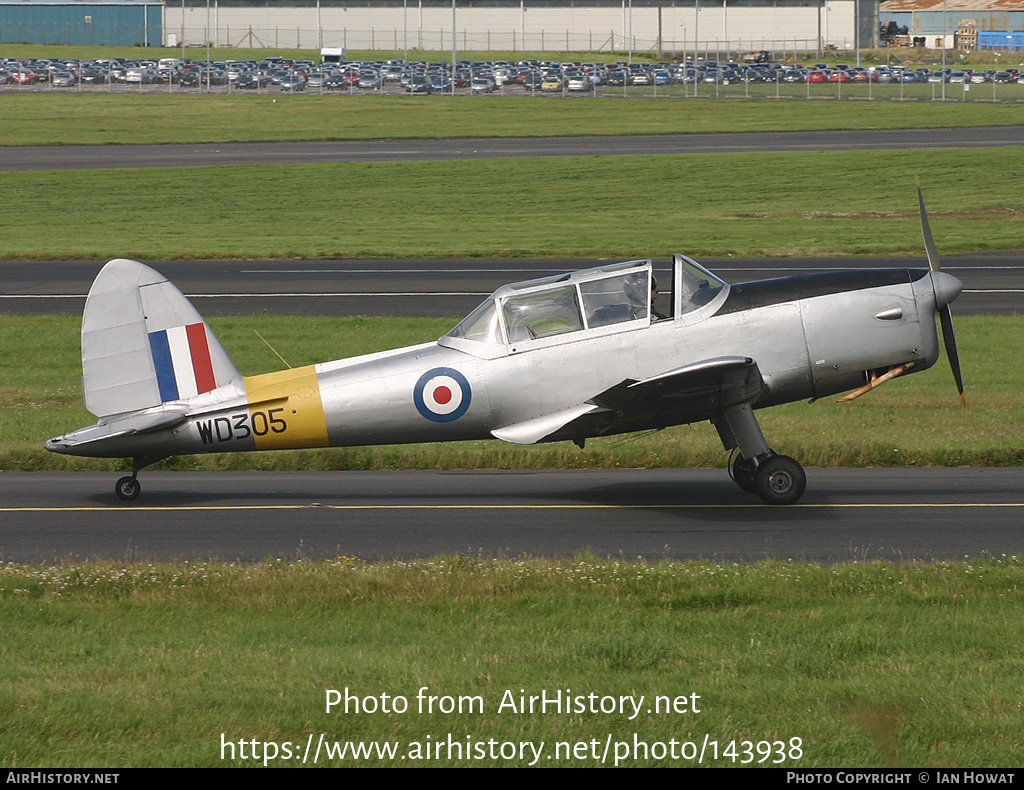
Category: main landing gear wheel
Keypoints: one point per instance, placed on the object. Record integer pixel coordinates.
(779, 480)
(127, 488)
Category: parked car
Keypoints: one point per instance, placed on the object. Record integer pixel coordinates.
(420, 83)
(293, 82)
(551, 83)
(481, 85)
(369, 80)
(337, 82)
(140, 75)
(63, 79)
(251, 80)
(316, 80)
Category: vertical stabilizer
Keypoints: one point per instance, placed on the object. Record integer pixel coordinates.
(144, 344)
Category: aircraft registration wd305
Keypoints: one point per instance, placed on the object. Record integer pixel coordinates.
(562, 358)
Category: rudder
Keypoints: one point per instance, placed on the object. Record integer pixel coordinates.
(143, 343)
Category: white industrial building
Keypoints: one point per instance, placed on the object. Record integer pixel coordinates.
(526, 25)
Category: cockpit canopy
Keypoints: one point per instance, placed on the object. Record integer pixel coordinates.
(619, 294)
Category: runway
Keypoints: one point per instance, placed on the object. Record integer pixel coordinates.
(846, 515)
(73, 157)
(993, 282)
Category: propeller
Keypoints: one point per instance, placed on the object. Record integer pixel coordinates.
(945, 292)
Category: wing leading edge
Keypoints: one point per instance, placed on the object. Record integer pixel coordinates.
(695, 392)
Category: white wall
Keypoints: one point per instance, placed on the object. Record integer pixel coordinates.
(551, 29)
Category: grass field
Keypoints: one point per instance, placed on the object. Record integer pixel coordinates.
(866, 665)
(76, 119)
(915, 421)
(812, 203)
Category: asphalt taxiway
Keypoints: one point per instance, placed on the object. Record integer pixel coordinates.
(69, 157)
(993, 282)
(846, 515)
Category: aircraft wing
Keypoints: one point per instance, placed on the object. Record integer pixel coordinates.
(699, 391)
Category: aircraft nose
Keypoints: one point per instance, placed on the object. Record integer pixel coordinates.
(946, 287)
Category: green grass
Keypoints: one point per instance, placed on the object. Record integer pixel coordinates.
(76, 119)
(913, 421)
(852, 202)
(111, 664)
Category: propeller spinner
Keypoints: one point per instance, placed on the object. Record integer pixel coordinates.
(946, 289)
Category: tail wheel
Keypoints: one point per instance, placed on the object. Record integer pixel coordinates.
(127, 488)
(780, 480)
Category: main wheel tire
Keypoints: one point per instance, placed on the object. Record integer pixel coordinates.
(742, 473)
(127, 488)
(780, 480)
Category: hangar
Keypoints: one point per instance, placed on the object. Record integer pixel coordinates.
(126, 23)
(960, 24)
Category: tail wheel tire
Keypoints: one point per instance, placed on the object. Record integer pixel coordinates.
(127, 488)
(780, 481)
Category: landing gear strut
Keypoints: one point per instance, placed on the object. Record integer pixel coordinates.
(742, 473)
(776, 479)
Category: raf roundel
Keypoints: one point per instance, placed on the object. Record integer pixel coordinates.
(442, 395)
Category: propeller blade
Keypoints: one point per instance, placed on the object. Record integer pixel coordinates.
(945, 316)
(949, 341)
(929, 243)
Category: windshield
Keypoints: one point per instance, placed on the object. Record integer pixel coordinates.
(697, 286)
(480, 325)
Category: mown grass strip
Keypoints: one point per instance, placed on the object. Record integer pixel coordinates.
(911, 421)
(99, 119)
(869, 664)
(855, 202)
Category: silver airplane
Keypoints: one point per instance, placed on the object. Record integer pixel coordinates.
(563, 358)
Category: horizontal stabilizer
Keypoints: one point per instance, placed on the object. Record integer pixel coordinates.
(125, 425)
(144, 344)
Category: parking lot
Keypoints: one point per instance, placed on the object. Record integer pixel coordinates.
(707, 79)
